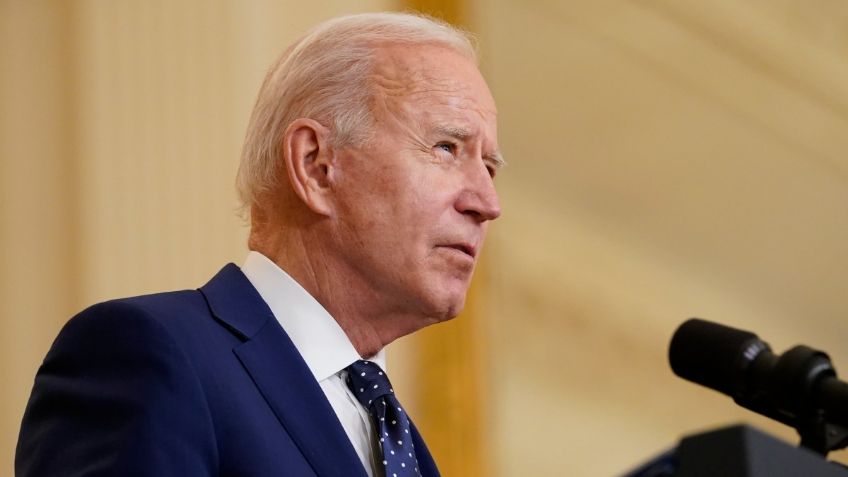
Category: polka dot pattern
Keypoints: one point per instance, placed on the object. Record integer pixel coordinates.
(372, 388)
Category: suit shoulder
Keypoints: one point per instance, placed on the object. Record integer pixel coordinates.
(160, 321)
(157, 307)
(116, 382)
(156, 304)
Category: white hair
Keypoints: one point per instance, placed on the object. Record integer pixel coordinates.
(325, 76)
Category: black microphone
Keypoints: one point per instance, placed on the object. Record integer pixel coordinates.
(798, 388)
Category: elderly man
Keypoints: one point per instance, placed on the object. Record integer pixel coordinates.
(367, 171)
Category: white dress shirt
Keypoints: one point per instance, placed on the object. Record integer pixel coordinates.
(324, 346)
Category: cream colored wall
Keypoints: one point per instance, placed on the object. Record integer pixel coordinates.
(667, 159)
(37, 283)
(119, 136)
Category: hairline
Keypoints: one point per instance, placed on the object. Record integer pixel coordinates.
(289, 93)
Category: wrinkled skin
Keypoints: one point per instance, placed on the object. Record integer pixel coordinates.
(403, 217)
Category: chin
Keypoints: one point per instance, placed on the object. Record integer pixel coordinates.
(443, 300)
(448, 309)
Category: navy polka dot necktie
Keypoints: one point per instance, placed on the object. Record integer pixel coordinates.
(372, 388)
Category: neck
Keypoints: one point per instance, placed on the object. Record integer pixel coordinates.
(360, 311)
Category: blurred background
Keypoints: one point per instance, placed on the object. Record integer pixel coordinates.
(667, 159)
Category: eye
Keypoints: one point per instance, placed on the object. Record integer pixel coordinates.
(492, 171)
(448, 147)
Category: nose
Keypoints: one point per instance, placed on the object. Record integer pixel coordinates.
(479, 199)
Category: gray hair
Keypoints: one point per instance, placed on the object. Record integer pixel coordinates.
(325, 76)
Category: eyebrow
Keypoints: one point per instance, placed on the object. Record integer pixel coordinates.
(496, 158)
(462, 134)
(456, 132)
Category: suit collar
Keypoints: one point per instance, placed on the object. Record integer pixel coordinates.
(234, 302)
(279, 372)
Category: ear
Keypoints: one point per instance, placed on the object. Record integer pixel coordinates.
(309, 162)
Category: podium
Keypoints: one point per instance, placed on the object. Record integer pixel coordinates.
(738, 451)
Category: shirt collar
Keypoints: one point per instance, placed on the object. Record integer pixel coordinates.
(315, 333)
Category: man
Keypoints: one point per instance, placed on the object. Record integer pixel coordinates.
(367, 171)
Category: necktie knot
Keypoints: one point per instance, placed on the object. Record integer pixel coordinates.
(368, 382)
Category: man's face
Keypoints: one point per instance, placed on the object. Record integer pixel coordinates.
(415, 202)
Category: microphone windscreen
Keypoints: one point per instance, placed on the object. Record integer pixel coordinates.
(709, 354)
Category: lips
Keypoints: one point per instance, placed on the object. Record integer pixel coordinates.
(465, 248)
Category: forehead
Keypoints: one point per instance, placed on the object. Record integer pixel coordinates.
(431, 76)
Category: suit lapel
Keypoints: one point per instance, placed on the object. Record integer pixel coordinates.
(298, 402)
(282, 376)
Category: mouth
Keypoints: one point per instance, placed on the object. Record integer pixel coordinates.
(465, 248)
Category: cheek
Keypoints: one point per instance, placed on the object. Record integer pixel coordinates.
(398, 198)
(394, 206)
(370, 212)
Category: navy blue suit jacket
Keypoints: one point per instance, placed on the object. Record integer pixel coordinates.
(191, 383)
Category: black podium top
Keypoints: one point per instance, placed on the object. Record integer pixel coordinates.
(738, 451)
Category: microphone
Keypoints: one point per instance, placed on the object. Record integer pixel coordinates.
(798, 388)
